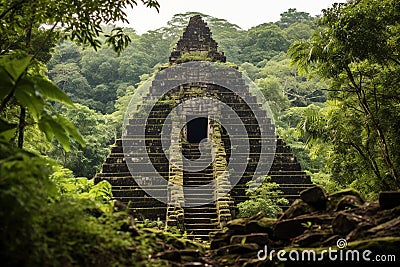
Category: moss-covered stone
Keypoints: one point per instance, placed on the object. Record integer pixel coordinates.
(348, 202)
(334, 198)
(298, 207)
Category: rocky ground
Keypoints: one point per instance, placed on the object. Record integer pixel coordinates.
(341, 222)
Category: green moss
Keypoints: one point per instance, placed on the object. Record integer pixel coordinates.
(267, 222)
(194, 56)
(344, 192)
(334, 198)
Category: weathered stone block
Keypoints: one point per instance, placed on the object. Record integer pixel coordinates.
(260, 239)
(344, 223)
(315, 196)
(290, 228)
(298, 207)
(389, 199)
(349, 202)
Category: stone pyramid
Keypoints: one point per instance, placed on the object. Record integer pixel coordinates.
(179, 186)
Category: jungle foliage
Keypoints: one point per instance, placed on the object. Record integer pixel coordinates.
(356, 47)
(264, 198)
(63, 95)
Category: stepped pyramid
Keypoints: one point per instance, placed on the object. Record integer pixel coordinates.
(183, 157)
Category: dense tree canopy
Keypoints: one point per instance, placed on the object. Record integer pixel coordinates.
(356, 46)
(62, 104)
(25, 44)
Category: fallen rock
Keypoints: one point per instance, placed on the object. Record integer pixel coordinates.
(310, 239)
(315, 196)
(349, 202)
(380, 245)
(220, 239)
(287, 229)
(238, 225)
(334, 198)
(194, 264)
(344, 223)
(331, 241)
(389, 199)
(262, 225)
(306, 224)
(260, 239)
(389, 228)
(360, 231)
(298, 207)
(170, 255)
(239, 249)
(190, 252)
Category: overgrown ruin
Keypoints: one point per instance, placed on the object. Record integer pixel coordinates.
(200, 203)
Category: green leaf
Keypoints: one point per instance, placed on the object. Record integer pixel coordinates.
(7, 129)
(60, 133)
(60, 128)
(45, 127)
(71, 129)
(6, 84)
(16, 66)
(29, 98)
(51, 91)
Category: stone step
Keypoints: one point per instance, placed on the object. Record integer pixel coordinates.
(197, 202)
(120, 179)
(197, 179)
(200, 226)
(209, 217)
(207, 170)
(197, 183)
(202, 237)
(192, 195)
(207, 208)
(139, 193)
(199, 191)
(205, 173)
(144, 202)
(203, 233)
(194, 220)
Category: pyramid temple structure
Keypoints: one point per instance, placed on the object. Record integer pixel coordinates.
(183, 158)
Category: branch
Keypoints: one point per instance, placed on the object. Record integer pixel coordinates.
(2, 15)
(395, 60)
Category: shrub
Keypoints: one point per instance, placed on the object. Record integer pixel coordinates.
(264, 197)
(62, 221)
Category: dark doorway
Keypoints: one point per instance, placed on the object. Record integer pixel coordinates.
(196, 129)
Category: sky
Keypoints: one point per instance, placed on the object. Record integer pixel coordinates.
(244, 13)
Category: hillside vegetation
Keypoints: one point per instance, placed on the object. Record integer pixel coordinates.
(332, 83)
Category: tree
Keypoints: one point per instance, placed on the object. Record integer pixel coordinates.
(69, 78)
(273, 93)
(299, 31)
(356, 46)
(263, 42)
(23, 82)
(293, 16)
(250, 70)
(65, 52)
(96, 130)
(297, 88)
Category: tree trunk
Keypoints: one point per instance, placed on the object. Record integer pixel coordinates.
(21, 127)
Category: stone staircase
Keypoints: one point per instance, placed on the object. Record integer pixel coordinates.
(200, 212)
